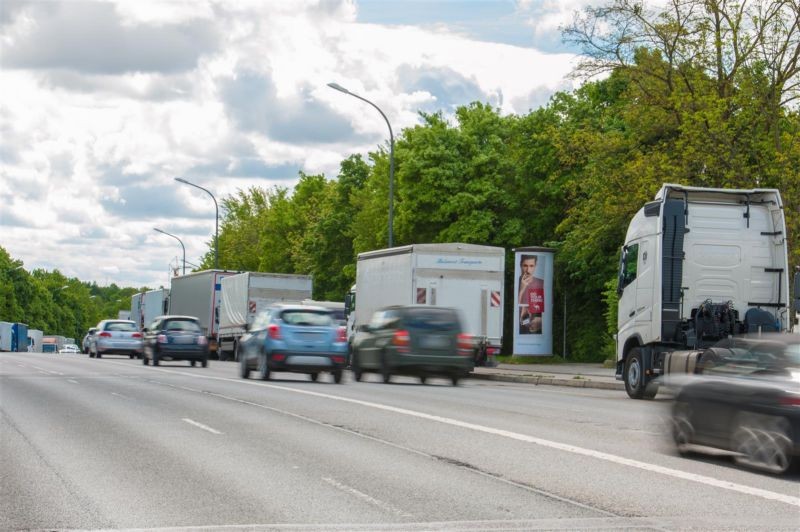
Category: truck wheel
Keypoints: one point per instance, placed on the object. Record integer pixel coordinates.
(155, 359)
(222, 355)
(634, 374)
(144, 360)
(314, 377)
(204, 363)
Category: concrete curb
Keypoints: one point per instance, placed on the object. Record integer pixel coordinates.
(552, 381)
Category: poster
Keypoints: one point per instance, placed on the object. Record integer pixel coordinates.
(533, 286)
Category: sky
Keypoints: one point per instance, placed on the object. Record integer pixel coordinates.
(104, 103)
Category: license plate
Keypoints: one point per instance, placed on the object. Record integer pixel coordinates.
(302, 360)
(435, 342)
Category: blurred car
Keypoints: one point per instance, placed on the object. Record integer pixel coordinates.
(175, 338)
(418, 340)
(69, 348)
(745, 403)
(116, 337)
(294, 338)
(87, 339)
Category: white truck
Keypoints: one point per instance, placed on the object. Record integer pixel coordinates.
(35, 340)
(467, 277)
(245, 295)
(198, 294)
(146, 306)
(698, 265)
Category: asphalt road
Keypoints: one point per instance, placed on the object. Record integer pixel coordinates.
(110, 443)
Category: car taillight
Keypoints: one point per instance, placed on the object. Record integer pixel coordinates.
(274, 331)
(104, 334)
(791, 400)
(202, 340)
(338, 359)
(464, 343)
(277, 357)
(401, 341)
(341, 334)
(162, 339)
(136, 335)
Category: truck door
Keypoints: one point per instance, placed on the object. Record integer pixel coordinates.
(626, 287)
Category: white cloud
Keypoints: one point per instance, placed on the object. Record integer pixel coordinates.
(92, 139)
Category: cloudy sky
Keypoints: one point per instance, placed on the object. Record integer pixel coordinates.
(103, 103)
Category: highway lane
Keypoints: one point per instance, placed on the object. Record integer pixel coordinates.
(112, 444)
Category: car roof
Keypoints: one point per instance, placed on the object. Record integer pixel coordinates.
(176, 317)
(299, 306)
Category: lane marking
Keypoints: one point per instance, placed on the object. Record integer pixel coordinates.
(367, 498)
(201, 426)
(120, 395)
(72, 381)
(574, 449)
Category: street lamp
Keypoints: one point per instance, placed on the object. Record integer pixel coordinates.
(216, 226)
(179, 240)
(339, 88)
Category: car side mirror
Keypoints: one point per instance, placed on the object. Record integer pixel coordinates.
(363, 328)
(144, 330)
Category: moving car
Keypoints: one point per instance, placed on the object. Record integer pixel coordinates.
(175, 338)
(294, 338)
(420, 340)
(116, 337)
(746, 403)
(87, 339)
(69, 348)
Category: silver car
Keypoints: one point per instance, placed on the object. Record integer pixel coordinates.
(116, 337)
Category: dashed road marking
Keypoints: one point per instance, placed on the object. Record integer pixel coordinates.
(201, 426)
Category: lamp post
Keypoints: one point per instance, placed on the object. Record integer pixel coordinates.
(216, 220)
(339, 88)
(181, 243)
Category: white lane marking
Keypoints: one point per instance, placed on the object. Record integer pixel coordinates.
(72, 381)
(120, 395)
(582, 451)
(200, 425)
(368, 498)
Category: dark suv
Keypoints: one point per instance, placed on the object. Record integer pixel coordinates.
(418, 340)
(175, 338)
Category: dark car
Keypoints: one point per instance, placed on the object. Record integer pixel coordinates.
(116, 337)
(418, 340)
(294, 338)
(175, 338)
(746, 402)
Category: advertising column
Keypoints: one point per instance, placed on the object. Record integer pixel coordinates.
(533, 286)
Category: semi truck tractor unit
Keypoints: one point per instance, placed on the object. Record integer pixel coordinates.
(466, 277)
(698, 265)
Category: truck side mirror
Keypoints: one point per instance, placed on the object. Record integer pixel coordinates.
(348, 300)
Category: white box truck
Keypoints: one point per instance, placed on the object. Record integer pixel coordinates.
(466, 277)
(698, 265)
(198, 294)
(35, 340)
(246, 294)
(154, 303)
(137, 307)
(6, 334)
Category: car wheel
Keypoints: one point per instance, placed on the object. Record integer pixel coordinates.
(130, 356)
(144, 360)
(263, 367)
(423, 379)
(244, 371)
(386, 373)
(204, 363)
(192, 362)
(314, 377)
(762, 442)
(222, 355)
(337, 376)
(454, 379)
(358, 373)
(98, 355)
(682, 429)
(634, 374)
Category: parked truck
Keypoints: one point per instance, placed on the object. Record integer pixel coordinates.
(698, 265)
(146, 306)
(466, 277)
(35, 340)
(13, 337)
(245, 295)
(198, 294)
(52, 343)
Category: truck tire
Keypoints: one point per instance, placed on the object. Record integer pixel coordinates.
(634, 374)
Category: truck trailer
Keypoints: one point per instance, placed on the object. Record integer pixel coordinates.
(245, 295)
(466, 277)
(198, 294)
(35, 340)
(698, 265)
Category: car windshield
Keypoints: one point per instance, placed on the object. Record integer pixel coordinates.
(120, 326)
(182, 325)
(319, 318)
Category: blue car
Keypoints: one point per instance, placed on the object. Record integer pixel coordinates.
(293, 338)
